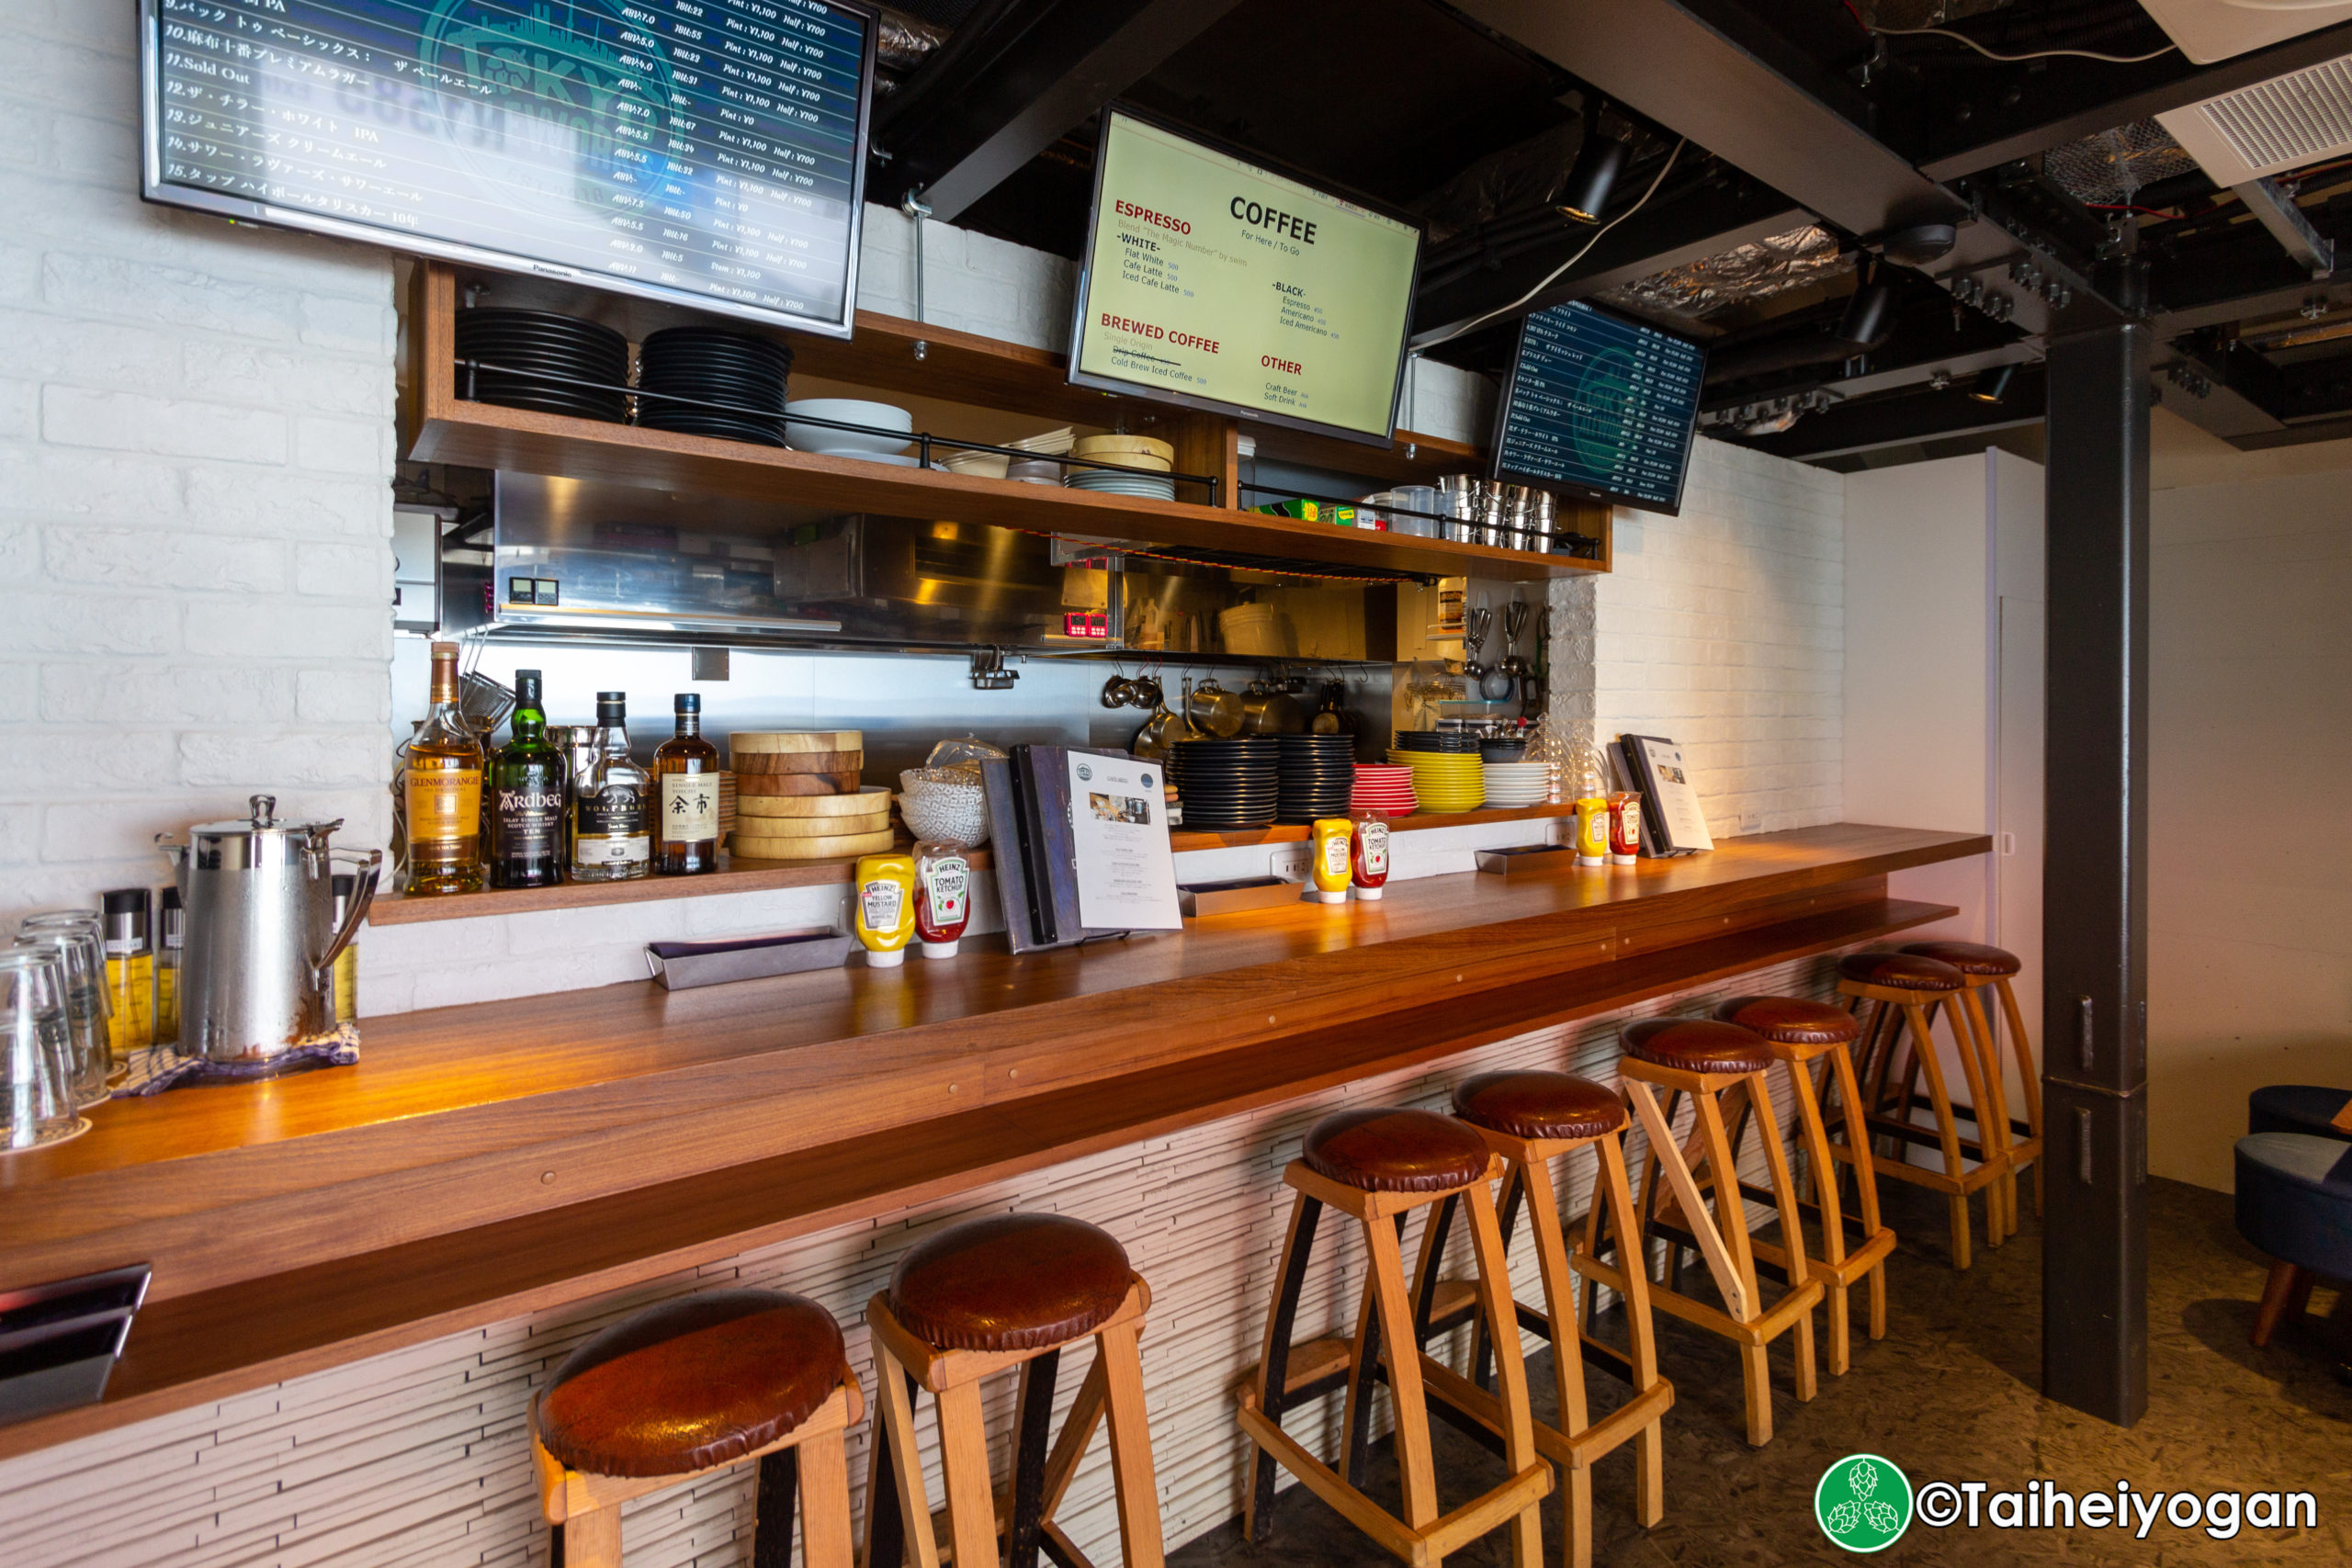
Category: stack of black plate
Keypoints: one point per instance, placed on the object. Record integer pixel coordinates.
(541, 360)
(746, 374)
(1227, 783)
(1460, 741)
(1317, 774)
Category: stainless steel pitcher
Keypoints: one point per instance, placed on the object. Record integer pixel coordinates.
(255, 975)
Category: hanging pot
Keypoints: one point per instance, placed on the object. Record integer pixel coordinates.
(1267, 710)
(1215, 711)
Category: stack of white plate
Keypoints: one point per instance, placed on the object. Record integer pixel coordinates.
(1517, 783)
(885, 445)
(1121, 481)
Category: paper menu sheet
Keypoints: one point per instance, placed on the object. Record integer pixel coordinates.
(1677, 797)
(1118, 817)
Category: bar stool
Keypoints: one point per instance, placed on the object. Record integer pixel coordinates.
(986, 1297)
(692, 1386)
(1377, 1167)
(1983, 966)
(1800, 1033)
(1900, 989)
(1721, 1066)
(1532, 1119)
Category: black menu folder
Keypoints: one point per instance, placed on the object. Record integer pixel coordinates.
(1036, 850)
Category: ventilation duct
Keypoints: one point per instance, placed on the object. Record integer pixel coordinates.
(1742, 275)
(2208, 30)
(2110, 169)
(2271, 126)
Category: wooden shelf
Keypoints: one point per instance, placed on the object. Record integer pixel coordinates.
(444, 428)
(1287, 833)
(735, 875)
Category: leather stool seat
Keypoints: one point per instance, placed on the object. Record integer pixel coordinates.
(1394, 1151)
(1900, 972)
(2294, 1200)
(1539, 1107)
(1792, 1021)
(1969, 957)
(1697, 1045)
(699, 1381)
(1012, 1282)
(2296, 1108)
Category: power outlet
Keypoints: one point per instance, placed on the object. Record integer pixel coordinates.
(1289, 862)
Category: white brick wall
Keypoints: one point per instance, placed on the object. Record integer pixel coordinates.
(1723, 628)
(419, 1459)
(195, 518)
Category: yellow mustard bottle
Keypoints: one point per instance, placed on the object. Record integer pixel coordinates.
(884, 893)
(1331, 861)
(130, 973)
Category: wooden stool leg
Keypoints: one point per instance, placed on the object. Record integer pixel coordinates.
(1386, 1281)
(1510, 1374)
(825, 1538)
(1567, 1361)
(1033, 1430)
(1849, 1101)
(1992, 1117)
(593, 1539)
(971, 1493)
(1363, 1372)
(1784, 1191)
(1273, 1362)
(774, 1496)
(1947, 1130)
(1133, 1478)
(1731, 1220)
(1649, 1465)
(1833, 1219)
(2276, 1293)
(2028, 1078)
(898, 1506)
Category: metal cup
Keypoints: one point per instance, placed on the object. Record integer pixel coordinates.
(35, 1052)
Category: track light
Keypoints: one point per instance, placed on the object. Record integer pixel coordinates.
(1993, 383)
(1598, 163)
(1866, 322)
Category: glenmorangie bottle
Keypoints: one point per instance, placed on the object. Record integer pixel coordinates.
(686, 767)
(527, 797)
(442, 792)
(611, 832)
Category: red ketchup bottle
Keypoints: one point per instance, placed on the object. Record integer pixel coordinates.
(1368, 857)
(943, 898)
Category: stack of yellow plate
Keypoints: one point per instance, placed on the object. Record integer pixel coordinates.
(797, 796)
(1445, 781)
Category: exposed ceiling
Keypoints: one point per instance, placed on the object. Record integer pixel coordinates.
(1776, 149)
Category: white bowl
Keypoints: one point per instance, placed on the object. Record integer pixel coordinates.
(946, 811)
(849, 411)
(984, 464)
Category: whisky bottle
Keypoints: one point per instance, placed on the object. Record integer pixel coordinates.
(442, 791)
(526, 787)
(687, 768)
(610, 835)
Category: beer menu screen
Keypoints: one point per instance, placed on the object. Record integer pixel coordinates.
(1213, 282)
(1600, 406)
(704, 151)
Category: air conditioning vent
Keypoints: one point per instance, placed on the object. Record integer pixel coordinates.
(2270, 127)
(2208, 30)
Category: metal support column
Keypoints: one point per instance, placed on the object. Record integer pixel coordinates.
(2094, 889)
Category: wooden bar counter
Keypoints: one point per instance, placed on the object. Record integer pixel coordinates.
(485, 1161)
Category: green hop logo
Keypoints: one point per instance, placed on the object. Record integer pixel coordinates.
(1863, 1502)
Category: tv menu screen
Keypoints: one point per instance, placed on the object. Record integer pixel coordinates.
(1601, 406)
(707, 151)
(1211, 281)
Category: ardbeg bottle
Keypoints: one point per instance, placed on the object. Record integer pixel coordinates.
(441, 792)
(527, 797)
(686, 765)
(612, 806)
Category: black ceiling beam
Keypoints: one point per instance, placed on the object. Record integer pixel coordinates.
(1015, 79)
(1734, 88)
(2068, 100)
(1902, 419)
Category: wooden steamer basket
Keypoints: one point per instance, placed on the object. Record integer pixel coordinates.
(797, 796)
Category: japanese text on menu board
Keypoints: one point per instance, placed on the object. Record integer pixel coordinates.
(1601, 403)
(703, 146)
(1216, 280)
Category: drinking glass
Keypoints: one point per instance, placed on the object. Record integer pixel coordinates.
(35, 1052)
(84, 974)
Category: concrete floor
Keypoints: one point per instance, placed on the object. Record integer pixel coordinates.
(1948, 1394)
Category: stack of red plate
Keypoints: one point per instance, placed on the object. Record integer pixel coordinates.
(1383, 787)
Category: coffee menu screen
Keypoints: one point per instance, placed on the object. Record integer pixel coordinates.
(1600, 406)
(708, 152)
(1211, 281)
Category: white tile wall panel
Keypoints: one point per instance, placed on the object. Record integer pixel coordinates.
(420, 1456)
